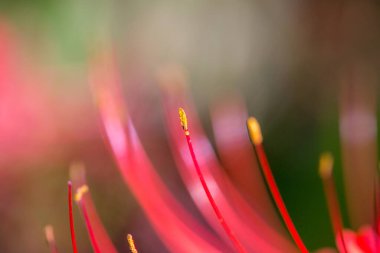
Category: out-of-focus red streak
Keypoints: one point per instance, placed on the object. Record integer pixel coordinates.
(176, 227)
(26, 125)
(72, 229)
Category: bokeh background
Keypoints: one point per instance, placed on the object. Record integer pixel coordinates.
(301, 66)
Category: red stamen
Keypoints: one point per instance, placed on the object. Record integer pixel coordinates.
(257, 139)
(325, 171)
(78, 197)
(83, 198)
(168, 217)
(218, 214)
(249, 224)
(49, 234)
(72, 230)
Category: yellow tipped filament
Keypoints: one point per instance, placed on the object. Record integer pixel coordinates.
(131, 243)
(183, 119)
(49, 233)
(80, 192)
(254, 131)
(326, 163)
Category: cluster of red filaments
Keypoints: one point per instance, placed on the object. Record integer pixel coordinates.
(236, 225)
(367, 241)
(97, 233)
(256, 137)
(98, 237)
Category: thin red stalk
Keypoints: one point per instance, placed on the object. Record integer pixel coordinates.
(269, 178)
(239, 247)
(218, 214)
(83, 198)
(334, 209)
(72, 230)
(91, 233)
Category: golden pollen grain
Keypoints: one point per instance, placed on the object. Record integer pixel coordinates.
(254, 131)
(183, 118)
(131, 243)
(326, 163)
(80, 192)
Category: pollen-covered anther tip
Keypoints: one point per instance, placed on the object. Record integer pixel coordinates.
(183, 118)
(49, 233)
(254, 131)
(80, 192)
(326, 163)
(131, 243)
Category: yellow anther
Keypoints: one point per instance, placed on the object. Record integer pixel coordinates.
(254, 131)
(80, 192)
(326, 163)
(131, 243)
(183, 118)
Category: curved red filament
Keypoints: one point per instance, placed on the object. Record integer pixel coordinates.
(72, 230)
(269, 178)
(90, 230)
(239, 247)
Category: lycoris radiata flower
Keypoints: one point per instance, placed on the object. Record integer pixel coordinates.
(235, 224)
